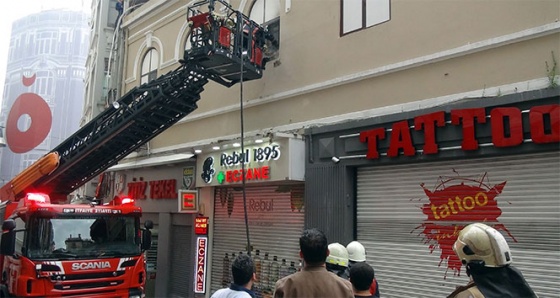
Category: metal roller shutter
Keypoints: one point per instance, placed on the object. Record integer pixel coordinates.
(391, 221)
(182, 263)
(275, 217)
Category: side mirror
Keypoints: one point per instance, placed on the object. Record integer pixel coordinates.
(148, 224)
(147, 235)
(146, 239)
(8, 239)
(8, 225)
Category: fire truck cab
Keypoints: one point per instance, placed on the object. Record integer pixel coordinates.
(52, 250)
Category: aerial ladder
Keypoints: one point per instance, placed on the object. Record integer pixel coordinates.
(226, 47)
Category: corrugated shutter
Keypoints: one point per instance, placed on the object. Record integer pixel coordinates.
(275, 217)
(390, 221)
(182, 263)
(151, 264)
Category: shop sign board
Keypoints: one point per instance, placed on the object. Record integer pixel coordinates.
(139, 189)
(188, 201)
(200, 267)
(201, 225)
(266, 162)
(507, 129)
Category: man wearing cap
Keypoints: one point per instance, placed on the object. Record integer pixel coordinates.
(313, 280)
(357, 254)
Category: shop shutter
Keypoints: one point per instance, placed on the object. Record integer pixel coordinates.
(390, 221)
(275, 217)
(181, 277)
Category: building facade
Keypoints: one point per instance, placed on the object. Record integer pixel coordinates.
(416, 178)
(43, 94)
(396, 108)
(102, 67)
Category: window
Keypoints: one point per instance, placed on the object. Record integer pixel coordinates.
(20, 234)
(149, 66)
(83, 236)
(267, 13)
(264, 11)
(361, 14)
(188, 44)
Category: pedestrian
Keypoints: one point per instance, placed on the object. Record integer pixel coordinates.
(337, 260)
(485, 253)
(313, 280)
(357, 254)
(362, 277)
(120, 9)
(243, 273)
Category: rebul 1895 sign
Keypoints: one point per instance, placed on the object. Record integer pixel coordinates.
(256, 163)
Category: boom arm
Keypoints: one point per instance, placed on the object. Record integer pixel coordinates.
(146, 111)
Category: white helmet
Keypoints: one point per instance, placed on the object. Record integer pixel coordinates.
(337, 255)
(479, 242)
(356, 251)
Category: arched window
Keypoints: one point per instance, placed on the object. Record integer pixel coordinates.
(188, 44)
(263, 11)
(267, 13)
(150, 65)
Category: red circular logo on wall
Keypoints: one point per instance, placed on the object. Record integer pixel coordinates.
(34, 106)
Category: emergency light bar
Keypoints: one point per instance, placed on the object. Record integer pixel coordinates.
(37, 198)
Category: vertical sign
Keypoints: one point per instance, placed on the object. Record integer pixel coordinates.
(201, 225)
(200, 267)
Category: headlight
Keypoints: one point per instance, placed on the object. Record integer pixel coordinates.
(135, 293)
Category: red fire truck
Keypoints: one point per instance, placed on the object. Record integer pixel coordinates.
(50, 248)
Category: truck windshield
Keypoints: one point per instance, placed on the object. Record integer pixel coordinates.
(82, 237)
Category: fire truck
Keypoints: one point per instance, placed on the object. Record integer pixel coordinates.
(51, 248)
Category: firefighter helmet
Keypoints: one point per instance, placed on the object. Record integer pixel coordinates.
(356, 252)
(337, 255)
(480, 242)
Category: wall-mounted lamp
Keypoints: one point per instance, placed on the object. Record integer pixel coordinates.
(337, 159)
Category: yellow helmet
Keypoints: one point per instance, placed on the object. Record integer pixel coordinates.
(479, 242)
(337, 255)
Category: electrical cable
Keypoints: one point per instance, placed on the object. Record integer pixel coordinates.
(240, 26)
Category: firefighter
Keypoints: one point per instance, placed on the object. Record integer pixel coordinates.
(487, 258)
(337, 260)
(357, 254)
